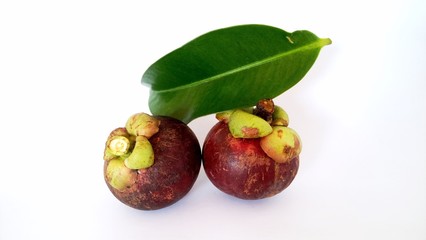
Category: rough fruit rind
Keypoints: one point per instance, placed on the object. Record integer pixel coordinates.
(239, 167)
(176, 167)
(253, 164)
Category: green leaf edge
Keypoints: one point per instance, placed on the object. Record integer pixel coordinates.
(321, 42)
(317, 44)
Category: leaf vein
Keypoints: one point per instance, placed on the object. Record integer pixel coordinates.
(316, 44)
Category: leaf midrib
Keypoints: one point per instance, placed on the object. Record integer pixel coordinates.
(316, 44)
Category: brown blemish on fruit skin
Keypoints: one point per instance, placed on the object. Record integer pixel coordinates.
(250, 132)
(176, 167)
(241, 168)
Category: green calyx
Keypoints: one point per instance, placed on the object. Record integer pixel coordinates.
(142, 155)
(246, 125)
(131, 143)
(254, 122)
(267, 122)
(118, 175)
(279, 117)
(142, 124)
(128, 149)
(282, 145)
(118, 144)
(224, 116)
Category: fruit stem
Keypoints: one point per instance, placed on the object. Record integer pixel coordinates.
(118, 145)
(264, 109)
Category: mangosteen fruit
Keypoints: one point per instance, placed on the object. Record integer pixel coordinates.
(152, 162)
(251, 153)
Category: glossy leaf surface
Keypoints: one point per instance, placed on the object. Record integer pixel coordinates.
(229, 68)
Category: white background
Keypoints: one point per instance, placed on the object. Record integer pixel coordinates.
(70, 73)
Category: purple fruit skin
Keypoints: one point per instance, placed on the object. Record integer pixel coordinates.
(177, 162)
(240, 168)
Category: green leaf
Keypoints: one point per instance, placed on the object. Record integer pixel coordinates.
(229, 68)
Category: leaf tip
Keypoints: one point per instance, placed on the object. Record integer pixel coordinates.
(326, 41)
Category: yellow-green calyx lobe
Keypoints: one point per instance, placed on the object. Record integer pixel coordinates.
(279, 117)
(282, 145)
(131, 146)
(269, 123)
(246, 125)
(118, 145)
(224, 116)
(142, 124)
(118, 175)
(142, 155)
